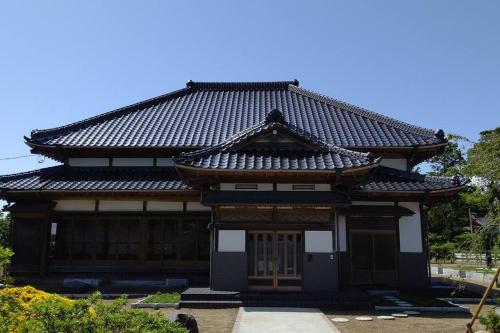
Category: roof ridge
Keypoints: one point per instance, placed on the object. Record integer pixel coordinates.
(366, 113)
(242, 85)
(37, 134)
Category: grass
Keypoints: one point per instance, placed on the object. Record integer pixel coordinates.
(170, 297)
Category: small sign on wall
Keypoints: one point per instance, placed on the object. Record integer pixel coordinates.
(231, 241)
(318, 241)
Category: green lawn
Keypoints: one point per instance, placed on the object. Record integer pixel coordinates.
(170, 297)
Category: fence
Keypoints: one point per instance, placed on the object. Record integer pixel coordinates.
(470, 258)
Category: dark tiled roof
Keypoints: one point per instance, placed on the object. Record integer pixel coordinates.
(60, 178)
(204, 114)
(235, 154)
(276, 161)
(389, 180)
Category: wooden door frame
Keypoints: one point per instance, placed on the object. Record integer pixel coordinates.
(274, 240)
(350, 231)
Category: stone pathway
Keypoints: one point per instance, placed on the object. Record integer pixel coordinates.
(282, 320)
(398, 301)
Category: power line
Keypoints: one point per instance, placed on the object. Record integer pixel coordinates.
(15, 157)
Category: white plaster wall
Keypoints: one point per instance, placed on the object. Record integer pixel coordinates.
(159, 206)
(289, 187)
(232, 187)
(318, 241)
(88, 162)
(395, 163)
(164, 161)
(410, 231)
(231, 241)
(120, 206)
(196, 206)
(373, 203)
(75, 205)
(133, 161)
(342, 233)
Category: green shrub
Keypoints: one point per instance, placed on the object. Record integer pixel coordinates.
(443, 251)
(5, 255)
(491, 321)
(27, 310)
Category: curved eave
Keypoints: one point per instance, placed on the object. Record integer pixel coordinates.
(53, 194)
(420, 194)
(343, 171)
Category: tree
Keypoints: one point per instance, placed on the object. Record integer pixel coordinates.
(446, 220)
(483, 162)
(483, 159)
(4, 229)
(451, 161)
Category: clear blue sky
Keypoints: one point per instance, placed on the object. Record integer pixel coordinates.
(431, 63)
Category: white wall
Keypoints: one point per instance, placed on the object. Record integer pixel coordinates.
(75, 205)
(159, 206)
(164, 161)
(342, 233)
(120, 206)
(231, 241)
(396, 163)
(196, 206)
(373, 203)
(410, 231)
(88, 162)
(318, 241)
(133, 161)
(289, 187)
(232, 187)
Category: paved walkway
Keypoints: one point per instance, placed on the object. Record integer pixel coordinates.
(282, 320)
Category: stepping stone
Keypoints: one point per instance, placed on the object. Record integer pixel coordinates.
(404, 304)
(399, 315)
(340, 320)
(411, 313)
(364, 318)
(386, 317)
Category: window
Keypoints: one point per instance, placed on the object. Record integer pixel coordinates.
(303, 187)
(245, 186)
(162, 239)
(120, 238)
(52, 240)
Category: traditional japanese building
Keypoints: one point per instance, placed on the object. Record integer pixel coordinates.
(254, 186)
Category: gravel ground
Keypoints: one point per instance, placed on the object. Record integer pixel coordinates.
(222, 321)
(428, 323)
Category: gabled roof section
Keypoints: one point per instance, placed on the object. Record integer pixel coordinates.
(61, 178)
(207, 113)
(388, 179)
(274, 144)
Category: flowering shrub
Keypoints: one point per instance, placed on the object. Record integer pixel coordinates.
(27, 309)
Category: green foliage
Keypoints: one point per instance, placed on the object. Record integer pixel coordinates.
(58, 314)
(450, 162)
(4, 229)
(5, 256)
(442, 251)
(491, 321)
(483, 159)
(172, 297)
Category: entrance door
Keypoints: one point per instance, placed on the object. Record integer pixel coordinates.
(373, 257)
(274, 260)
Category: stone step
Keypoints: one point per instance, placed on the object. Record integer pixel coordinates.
(297, 304)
